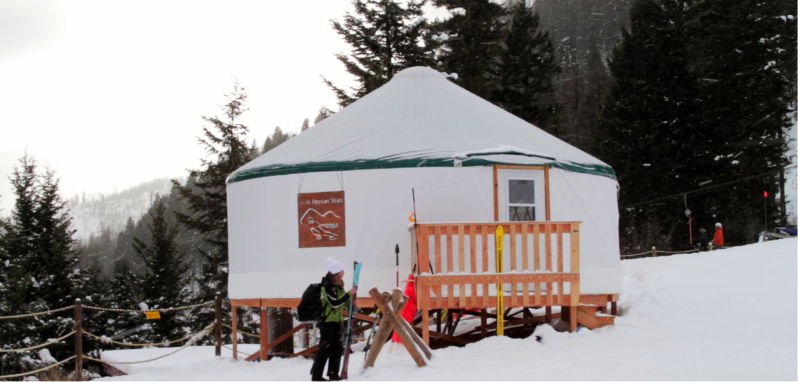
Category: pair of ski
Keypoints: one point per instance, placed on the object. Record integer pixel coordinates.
(350, 323)
(349, 327)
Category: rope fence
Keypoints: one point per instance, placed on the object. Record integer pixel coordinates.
(241, 331)
(165, 343)
(37, 371)
(52, 341)
(149, 310)
(37, 313)
(654, 252)
(196, 337)
(238, 351)
(79, 332)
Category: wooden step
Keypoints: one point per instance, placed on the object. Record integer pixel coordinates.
(587, 316)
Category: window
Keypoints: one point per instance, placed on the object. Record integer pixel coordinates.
(521, 199)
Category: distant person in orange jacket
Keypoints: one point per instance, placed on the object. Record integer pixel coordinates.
(718, 240)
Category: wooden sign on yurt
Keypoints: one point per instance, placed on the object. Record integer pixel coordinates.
(322, 221)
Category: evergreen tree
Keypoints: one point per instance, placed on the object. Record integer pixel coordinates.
(525, 71)
(471, 44)
(649, 121)
(189, 240)
(207, 200)
(18, 333)
(385, 38)
(276, 138)
(125, 293)
(92, 289)
(39, 248)
(323, 114)
(123, 250)
(254, 152)
(163, 284)
(305, 125)
(744, 52)
(596, 83)
(56, 258)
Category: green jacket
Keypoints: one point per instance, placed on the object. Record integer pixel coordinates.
(333, 300)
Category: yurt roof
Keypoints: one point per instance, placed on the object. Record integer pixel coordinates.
(419, 119)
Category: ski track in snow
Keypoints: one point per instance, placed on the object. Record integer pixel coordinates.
(723, 315)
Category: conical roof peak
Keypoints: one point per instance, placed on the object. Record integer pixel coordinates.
(418, 72)
(419, 119)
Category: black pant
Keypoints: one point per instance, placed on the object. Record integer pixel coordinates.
(330, 347)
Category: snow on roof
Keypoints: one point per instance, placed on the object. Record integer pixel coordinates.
(419, 119)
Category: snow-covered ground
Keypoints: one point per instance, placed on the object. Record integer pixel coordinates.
(722, 315)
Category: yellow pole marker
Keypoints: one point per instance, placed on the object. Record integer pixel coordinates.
(500, 286)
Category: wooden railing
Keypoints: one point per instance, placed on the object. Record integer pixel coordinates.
(457, 264)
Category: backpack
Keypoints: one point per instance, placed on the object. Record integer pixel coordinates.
(310, 308)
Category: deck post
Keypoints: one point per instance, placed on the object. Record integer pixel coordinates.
(484, 322)
(572, 316)
(235, 332)
(424, 325)
(264, 333)
(217, 329)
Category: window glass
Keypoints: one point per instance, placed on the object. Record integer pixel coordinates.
(522, 191)
(522, 213)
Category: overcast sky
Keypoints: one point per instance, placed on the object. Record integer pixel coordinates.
(111, 93)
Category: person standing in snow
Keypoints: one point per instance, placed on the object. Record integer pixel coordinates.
(703, 239)
(333, 299)
(717, 241)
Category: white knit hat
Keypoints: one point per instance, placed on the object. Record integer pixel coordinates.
(334, 266)
(718, 225)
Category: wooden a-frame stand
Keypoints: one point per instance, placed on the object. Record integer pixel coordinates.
(389, 305)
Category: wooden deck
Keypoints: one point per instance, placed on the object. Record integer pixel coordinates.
(457, 267)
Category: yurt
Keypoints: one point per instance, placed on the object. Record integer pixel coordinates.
(425, 165)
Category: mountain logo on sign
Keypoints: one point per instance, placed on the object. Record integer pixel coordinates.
(320, 225)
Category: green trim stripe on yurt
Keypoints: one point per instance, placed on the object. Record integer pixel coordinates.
(369, 164)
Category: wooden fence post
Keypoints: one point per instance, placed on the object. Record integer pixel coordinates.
(78, 340)
(217, 330)
(654, 251)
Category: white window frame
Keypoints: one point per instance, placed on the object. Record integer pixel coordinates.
(510, 205)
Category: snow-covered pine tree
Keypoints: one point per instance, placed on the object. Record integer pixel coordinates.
(525, 69)
(254, 152)
(470, 43)
(39, 248)
(275, 139)
(92, 289)
(594, 89)
(305, 125)
(163, 283)
(650, 122)
(125, 293)
(14, 282)
(225, 143)
(54, 262)
(744, 55)
(123, 250)
(385, 37)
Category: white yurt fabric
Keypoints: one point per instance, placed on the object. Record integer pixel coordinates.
(419, 118)
(418, 132)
